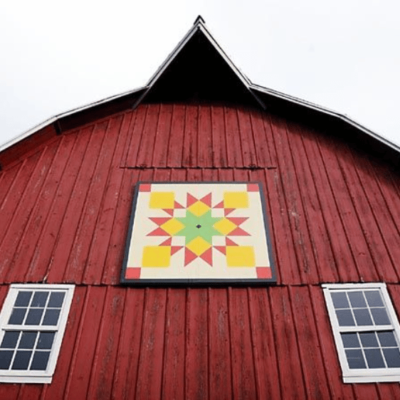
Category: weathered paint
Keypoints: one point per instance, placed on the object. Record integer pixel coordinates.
(64, 208)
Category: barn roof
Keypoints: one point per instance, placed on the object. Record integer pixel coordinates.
(198, 70)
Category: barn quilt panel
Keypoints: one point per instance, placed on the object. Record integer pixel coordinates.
(198, 232)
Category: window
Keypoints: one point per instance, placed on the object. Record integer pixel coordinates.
(366, 331)
(32, 324)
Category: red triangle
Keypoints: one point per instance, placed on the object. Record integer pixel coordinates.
(168, 242)
(207, 256)
(230, 242)
(158, 232)
(238, 220)
(222, 249)
(169, 211)
(177, 205)
(159, 221)
(190, 200)
(219, 205)
(175, 249)
(227, 211)
(207, 199)
(239, 232)
(189, 256)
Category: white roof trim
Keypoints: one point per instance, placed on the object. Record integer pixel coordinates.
(326, 111)
(64, 114)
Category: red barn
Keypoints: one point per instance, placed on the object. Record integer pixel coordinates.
(289, 287)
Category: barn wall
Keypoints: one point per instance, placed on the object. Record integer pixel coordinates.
(334, 217)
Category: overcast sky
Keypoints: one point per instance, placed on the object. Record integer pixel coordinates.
(342, 54)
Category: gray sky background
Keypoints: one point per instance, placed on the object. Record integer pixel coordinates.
(342, 54)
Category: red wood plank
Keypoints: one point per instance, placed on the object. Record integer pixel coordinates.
(347, 213)
(233, 140)
(16, 193)
(102, 233)
(220, 373)
(175, 149)
(40, 215)
(190, 149)
(173, 380)
(41, 259)
(178, 175)
(218, 137)
(74, 213)
(264, 353)
(290, 367)
(64, 367)
(320, 240)
(85, 345)
(196, 353)
(163, 136)
(387, 225)
(101, 381)
(308, 341)
(24, 211)
(285, 256)
(306, 263)
(90, 210)
(7, 181)
(243, 374)
(335, 229)
(260, 141)
(204, 138)
(136, 134)
(150, 368)
(327, 347)
(247, 138)
(147, 143)
(116, 245)
(365, 215)
(127, 361)
(30, 392)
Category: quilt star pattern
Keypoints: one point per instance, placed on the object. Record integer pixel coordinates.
(205, 232)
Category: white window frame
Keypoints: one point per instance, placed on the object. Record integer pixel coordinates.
(22, 376)
(362, 375)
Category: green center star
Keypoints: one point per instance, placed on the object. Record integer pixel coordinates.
(195, 226)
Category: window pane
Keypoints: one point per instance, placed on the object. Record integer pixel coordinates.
(40, 360)
(34, 316)
(357, 299)
(21, 360)
(350, 340)
(340, 300)
(387, 339)
(392, 357)
(374, 358)
(374, 298)
(51, 317)
(368, 339)
(17, 316)
(5, 359)
(362, 316)
(345, 318)
(380, 316)
(10, 340)
(27, 340)
(45, 340)
(355, 359)
(39, 299)
(23, 299)
(56, 299)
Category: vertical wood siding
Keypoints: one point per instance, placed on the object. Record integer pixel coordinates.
(334, 217)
